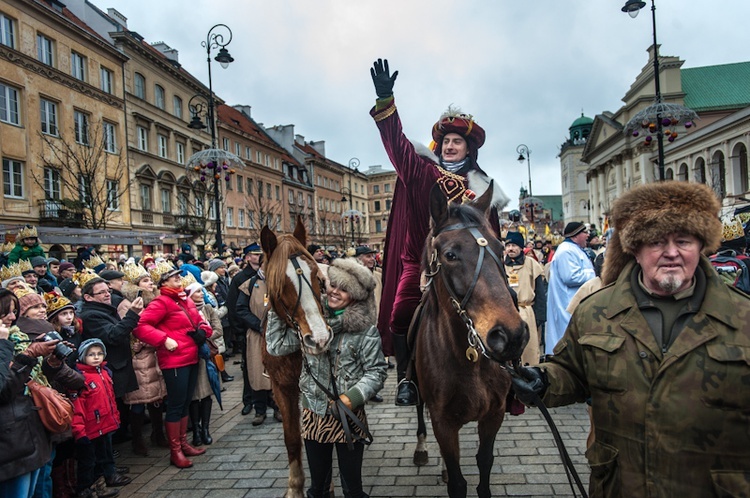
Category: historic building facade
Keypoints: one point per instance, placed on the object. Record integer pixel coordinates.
(381, 184)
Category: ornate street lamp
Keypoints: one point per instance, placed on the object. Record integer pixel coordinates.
(524, 154)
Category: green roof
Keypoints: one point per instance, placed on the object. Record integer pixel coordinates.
(726, 86)
(582, 121)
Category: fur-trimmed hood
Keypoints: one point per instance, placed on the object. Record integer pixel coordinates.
(648, 212)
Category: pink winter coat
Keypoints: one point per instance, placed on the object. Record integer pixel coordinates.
(164, 318)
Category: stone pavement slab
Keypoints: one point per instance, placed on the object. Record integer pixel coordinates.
(247, 461)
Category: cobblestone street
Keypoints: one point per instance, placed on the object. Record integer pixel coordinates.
(247, 461)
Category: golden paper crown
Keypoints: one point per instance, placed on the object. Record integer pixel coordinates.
(732, 230)
(27, 231)
(25, 265)
(134, 272)
(25, 290)
(84, 276)
(10, 271)
(93, 262)
(161, 268)
(55, 302)
(8, 246)
(188, 279)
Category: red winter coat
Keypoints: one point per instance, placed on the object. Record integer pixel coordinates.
(163, 318)
(95, 410)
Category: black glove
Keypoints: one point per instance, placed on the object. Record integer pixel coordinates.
(381, 77)
(198, 336)
(531, 382)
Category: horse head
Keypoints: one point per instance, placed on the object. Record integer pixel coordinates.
(294, 289)
(464, 251)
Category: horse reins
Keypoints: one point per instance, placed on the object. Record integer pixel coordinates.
(476, 344)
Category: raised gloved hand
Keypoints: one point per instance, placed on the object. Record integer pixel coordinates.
(382, 78)
(531, 382)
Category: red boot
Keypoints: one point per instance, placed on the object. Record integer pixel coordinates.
(175, 434)
(186, 448)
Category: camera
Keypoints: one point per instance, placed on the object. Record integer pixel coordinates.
(61, 350)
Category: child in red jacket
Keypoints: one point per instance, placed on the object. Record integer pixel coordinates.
(95, 418)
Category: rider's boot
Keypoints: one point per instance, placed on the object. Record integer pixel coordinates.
(406, 391)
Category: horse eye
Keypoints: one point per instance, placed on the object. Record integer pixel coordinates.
(451, 256)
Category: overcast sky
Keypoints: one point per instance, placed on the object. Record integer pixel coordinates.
(525, 69)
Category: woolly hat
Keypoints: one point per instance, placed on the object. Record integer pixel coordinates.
(67, 287)
(312, 248)
(215, 264)
(27, 299)
(209, 278)
(515, 238)
(193, 288)
(649, 212)
(85, 345)
(573, 228)
(352, 277)
(65, 265)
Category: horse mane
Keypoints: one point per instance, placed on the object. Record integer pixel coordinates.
(276, 277)
(464, 214)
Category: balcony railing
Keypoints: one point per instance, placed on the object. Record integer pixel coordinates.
(56, 212)
(189, 224)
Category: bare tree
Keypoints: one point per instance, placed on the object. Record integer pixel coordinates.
(90, 172)
(262, 211)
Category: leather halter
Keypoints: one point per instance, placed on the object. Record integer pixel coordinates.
(434, 266)
(301, 278)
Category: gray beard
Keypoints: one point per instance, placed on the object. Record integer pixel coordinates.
(670, 284)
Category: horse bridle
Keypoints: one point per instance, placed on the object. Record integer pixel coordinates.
(301, 278)
(476, 344)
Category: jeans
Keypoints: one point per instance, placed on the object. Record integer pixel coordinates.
(95, 459)
(43, 487)
(180, 387)
(320, 461)
(21, 486)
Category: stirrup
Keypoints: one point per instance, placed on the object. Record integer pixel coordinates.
(411, 389)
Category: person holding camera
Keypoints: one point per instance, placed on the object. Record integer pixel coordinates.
(173, 325)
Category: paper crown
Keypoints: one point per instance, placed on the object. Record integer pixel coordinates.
(55, 303)
(24, 290)
(188, 279)
(161, 268)
(7, 247)
(732, 230)
(10, 271)
(27, 231)
(134, 272)
(84, 276)
(93, 262)
(25, 265)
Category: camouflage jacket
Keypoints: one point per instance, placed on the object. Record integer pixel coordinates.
(672, 424)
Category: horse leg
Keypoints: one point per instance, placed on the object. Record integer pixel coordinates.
(287, 398)
(420, 453)
(487, 429)
(446, 435)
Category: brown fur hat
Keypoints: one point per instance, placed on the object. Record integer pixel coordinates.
(648, 212)
(348, 274)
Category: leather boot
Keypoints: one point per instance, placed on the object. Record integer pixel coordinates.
(205, 420)
(406, 391)
(175, 435)
(195, 421)
(136, 431)
(158, 438)
(186, 448)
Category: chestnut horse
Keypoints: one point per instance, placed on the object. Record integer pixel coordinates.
(294, 292)
(468, 326)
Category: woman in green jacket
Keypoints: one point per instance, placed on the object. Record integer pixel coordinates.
(354, 364)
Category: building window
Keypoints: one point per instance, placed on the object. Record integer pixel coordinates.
(241, 218)
(248, 153)
(159, 96)
(142, 138)
(78, 66)
(51, 183)
(291, 196)
(146, 197)
(48, 113)
(268, 160)
(13, 178)
(258, 156)
(260, 189)
(387, 204)
(180, 148)
(237, 149)
(166, 200)
(376, 189)
(377, 205)
(378, 226)
(199, 209)
(251, 219)
(177, 105)
(268, 191)
(309, 201)
(84, 190)
(45, 50)
(225, 144)
(228, 179)
(240, 184)
(140, 86)
(113, 195)
(110, 139)
(278, 193)
(230, 217)
(6, 31)
(9, 105)
(182, 203)
(106, 78)
(162, 145)
(81, 127)
(249, 189)
(300, 199)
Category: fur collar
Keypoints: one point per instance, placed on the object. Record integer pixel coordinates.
(359, 316)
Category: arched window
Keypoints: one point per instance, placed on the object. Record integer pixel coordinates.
(700, 170)
(740, 169)
(682, 174)
(669, 174)
(140, 86)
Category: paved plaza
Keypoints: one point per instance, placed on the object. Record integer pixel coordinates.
(247, 461)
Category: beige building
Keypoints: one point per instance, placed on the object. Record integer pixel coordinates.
(381, 185)
(62, 128)
(575, 199)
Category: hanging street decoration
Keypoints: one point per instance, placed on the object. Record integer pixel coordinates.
(669, 118)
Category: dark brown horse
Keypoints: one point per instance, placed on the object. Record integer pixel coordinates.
(468, 325)
(294, 291)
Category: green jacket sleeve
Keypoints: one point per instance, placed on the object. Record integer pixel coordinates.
(280, 339)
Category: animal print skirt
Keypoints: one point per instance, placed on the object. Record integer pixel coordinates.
(327, 429)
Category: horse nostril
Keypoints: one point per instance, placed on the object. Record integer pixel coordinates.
(309, 342)
(497, 340)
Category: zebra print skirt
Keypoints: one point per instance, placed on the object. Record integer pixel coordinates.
(327, 429)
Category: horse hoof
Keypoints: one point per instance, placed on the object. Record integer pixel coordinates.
(445, 476)
(421, 458)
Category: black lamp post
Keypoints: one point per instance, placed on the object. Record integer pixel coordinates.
(633, 7)
(347, 191)
(213, 40)
(524, 154)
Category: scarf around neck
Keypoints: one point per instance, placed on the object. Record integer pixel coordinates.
(174, 293)
(454, 167)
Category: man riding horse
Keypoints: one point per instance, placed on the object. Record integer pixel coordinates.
(457, 138)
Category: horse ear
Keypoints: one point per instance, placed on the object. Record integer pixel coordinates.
(438, 205)
(485, 200)
(300, 232)
(268, 241)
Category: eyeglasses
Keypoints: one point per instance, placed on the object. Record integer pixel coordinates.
(103, 292)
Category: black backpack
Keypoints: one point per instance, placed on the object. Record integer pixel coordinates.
(733, 269)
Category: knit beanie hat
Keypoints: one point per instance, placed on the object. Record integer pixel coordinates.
(209, 278)
(85, 345)
(352, 277)
(27, 299)
(215, 264)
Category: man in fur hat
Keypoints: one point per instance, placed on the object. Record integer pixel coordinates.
(457, 140)
(661, 351)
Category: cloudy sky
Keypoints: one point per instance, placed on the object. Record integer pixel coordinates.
(525, 70)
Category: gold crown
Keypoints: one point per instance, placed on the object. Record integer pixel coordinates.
(188, 279)
(161, 268)
(55, 302)
(84, 276)
(10, 271)
(134, 272)
(732, 230)
(28, 231)
(93, 262)
(25, 290)
(8, 246)
(25, 265)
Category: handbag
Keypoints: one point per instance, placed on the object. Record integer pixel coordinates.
(55, 410)
(212, 347)
(219, 361)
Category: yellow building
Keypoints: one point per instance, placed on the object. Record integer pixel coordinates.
(381, 184)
